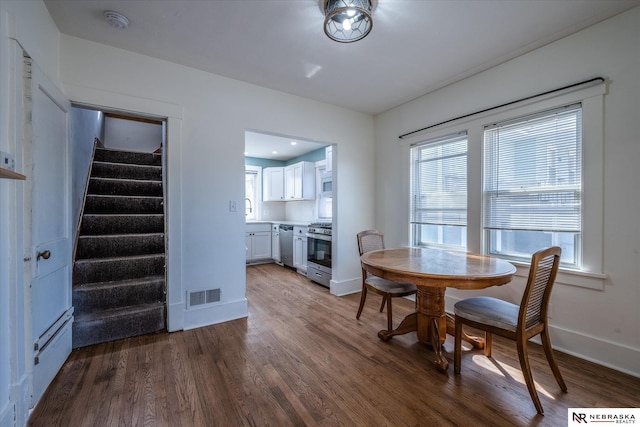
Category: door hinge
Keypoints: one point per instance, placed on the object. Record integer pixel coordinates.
(27, 259)
(36, 360)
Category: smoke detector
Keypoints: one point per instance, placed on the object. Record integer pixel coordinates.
(116, 19)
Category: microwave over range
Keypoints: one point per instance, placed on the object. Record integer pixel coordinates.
(326, 184)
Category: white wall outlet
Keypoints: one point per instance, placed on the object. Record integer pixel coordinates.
(7, 161)
(233, 206)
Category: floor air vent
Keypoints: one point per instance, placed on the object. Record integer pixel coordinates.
(207, 296)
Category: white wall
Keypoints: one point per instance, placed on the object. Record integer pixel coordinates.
(209, 168)
(86, 125)
(132, 135)
(597, 325)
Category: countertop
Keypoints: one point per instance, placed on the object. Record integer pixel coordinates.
(299, 223)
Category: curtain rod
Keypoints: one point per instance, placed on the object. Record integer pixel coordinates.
(596, 79)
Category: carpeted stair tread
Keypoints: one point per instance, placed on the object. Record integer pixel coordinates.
(123, 204)
(118, 245)
(126, 171)
(95, 224)
(125, 187)
(100, 296)
(116, 324)
(117, 268)
(107, 284)
(121, 156)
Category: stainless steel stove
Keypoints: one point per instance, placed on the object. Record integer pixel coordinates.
(319, 252)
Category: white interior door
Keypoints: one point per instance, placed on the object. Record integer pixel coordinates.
(50, 284)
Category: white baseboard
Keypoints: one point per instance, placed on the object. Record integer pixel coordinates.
(345, 287)
(175, 316)
(594, 349)
(216, 313)
(613, 355)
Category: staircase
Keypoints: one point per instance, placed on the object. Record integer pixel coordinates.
(119, 270)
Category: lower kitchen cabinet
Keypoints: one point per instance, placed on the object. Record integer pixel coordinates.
(258, 242)
(300, 248)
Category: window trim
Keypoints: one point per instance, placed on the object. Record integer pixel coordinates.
(592, 274)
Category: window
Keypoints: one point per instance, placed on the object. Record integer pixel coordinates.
(252, 191)
(532, 187)
(439, 192)
(535, 178)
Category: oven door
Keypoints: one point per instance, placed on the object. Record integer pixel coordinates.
(319, 251)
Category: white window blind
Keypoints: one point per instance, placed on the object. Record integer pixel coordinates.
(533, 181)
(439, 191)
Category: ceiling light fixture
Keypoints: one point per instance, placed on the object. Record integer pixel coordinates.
(116, 19)
(347, 21)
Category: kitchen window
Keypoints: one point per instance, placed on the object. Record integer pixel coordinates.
(439, 192)
(252, 187)
(534, 178)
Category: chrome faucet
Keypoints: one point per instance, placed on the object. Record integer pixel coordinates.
(250, 210)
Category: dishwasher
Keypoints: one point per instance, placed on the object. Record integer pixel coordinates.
(286, 244)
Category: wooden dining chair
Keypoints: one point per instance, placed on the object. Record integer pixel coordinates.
(519, 323)
(371, 240)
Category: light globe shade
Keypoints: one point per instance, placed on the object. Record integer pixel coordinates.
(347, 21)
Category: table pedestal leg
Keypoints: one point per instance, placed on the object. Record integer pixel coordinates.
(407, 325)
(432, 322)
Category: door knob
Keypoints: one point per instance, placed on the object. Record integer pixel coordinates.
(44, 254)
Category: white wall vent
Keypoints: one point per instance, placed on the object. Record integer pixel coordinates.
(206, 296)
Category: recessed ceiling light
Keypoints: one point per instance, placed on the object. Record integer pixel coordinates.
(274, 152)
(116, 19)
(293, 143)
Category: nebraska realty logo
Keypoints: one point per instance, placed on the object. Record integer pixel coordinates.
(581, 416)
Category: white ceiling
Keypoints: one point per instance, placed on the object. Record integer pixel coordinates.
(415, 46)
(275, 147)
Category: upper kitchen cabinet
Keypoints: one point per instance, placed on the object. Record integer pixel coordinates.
(328, 166)
(300, 181)
(273, 184)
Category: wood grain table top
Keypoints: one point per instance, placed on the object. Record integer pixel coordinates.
(438, 267)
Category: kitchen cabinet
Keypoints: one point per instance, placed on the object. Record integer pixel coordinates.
(275, 243)
(300, 249)
(300, 181)
(273, 184)
(328, 155)
(258, 242)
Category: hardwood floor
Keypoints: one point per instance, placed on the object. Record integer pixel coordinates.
(302, 359)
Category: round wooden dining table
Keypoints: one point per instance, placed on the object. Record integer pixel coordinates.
(433, 271)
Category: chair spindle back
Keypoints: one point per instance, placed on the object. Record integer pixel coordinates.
(542, 275)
